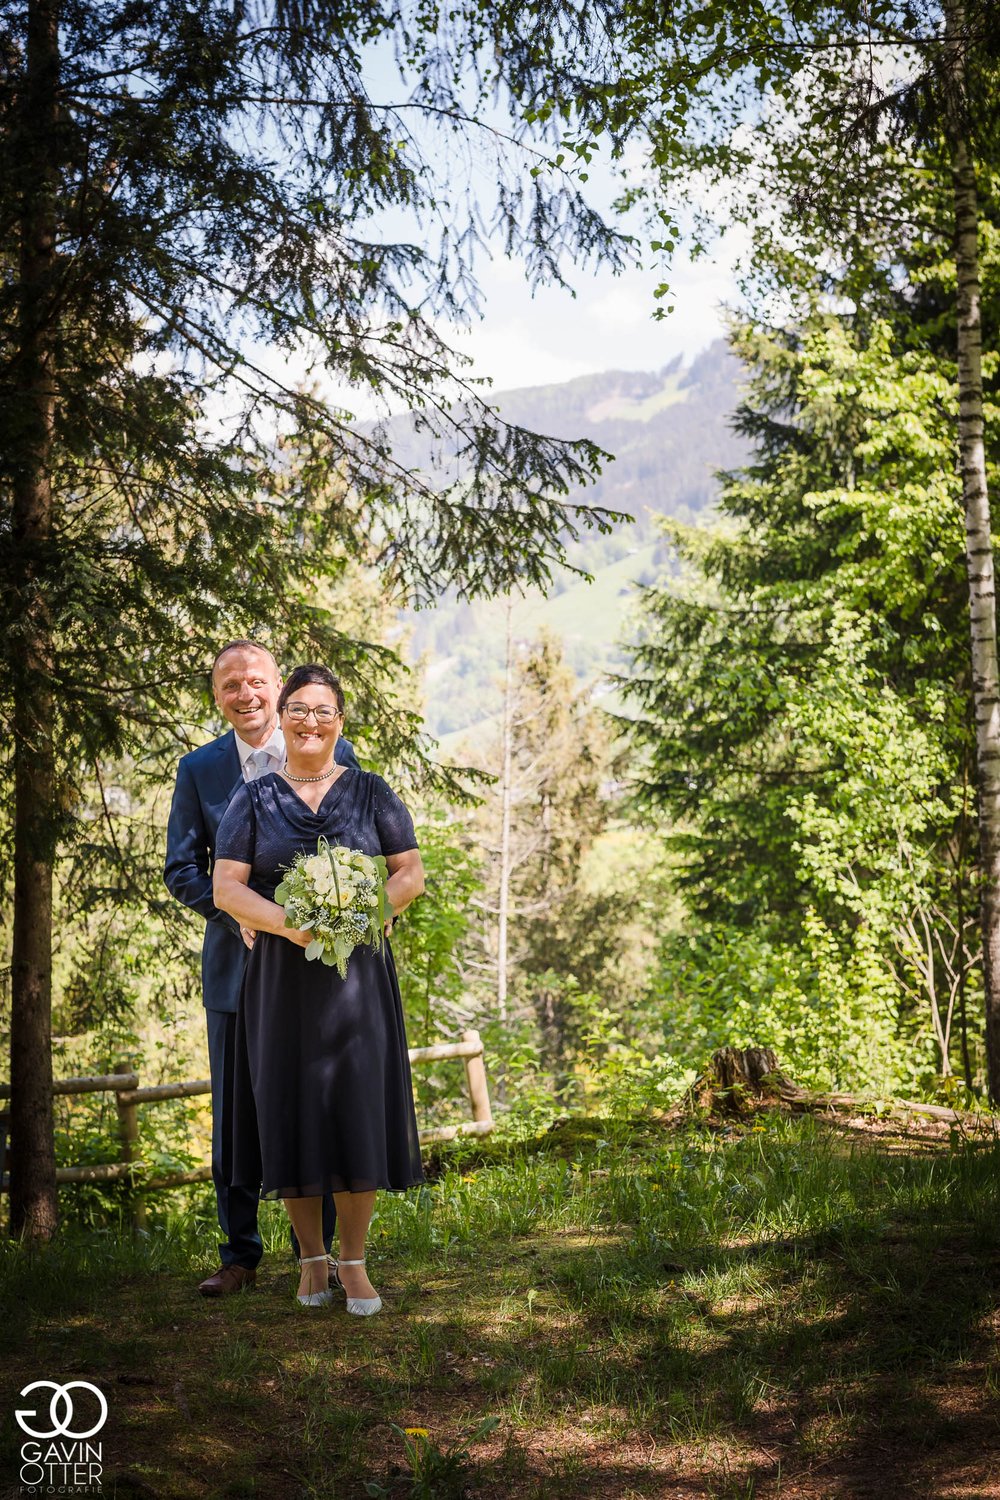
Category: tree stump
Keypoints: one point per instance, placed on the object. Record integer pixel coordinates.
(739, 1078)
(747, 1067)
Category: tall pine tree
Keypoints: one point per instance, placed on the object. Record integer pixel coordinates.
(193, 277)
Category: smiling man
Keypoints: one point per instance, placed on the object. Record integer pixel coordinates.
(245, 683)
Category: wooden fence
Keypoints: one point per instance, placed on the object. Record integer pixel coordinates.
(128, 1097)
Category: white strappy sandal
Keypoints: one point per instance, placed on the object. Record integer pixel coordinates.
(361, 1307)
(315, 1299)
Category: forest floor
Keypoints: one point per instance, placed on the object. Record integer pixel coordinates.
(781, 1307)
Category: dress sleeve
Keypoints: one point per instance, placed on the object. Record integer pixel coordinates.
(393, 823)
(237, 835)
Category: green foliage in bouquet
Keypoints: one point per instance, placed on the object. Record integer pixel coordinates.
(337, 894)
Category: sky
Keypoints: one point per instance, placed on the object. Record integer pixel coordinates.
(608, 325)
(550, 335)
(526, 339)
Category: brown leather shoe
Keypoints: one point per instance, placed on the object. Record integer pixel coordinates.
(228, 1279)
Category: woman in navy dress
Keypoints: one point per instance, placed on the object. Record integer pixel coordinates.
(323, 1100)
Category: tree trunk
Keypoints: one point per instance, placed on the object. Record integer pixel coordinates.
(960, 858)
(503, 900)
(979, 545)
(33, 1201)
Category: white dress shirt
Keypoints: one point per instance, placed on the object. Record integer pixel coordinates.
(259, 760)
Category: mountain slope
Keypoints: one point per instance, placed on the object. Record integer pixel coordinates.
(670, 433)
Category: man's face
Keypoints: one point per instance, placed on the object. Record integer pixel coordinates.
(246, 686)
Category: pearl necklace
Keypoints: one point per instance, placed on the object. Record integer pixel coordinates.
(326, 774)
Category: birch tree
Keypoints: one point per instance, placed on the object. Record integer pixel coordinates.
(961, 133)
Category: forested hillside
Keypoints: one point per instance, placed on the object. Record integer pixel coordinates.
(669, 433)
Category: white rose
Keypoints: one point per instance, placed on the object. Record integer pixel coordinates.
(315, 866)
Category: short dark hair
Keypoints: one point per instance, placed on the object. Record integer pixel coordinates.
(313, 671)
(242, 646)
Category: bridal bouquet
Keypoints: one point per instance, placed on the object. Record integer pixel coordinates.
(337, 894)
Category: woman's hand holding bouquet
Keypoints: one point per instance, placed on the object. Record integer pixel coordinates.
(337, 896)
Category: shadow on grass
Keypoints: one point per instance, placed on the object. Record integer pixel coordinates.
(858, 1359)
(650, 1356)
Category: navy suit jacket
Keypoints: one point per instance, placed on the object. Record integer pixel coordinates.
(206, 781)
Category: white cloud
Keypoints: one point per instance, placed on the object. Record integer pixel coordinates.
(510, 352)
(609, 324)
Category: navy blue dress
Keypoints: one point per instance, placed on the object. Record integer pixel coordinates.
(322, 1095)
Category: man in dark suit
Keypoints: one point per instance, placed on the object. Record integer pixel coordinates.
(245, 683)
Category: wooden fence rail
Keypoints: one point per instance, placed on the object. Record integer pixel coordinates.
(128, 1097)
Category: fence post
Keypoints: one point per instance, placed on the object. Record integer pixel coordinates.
(475, 1074)
(128, 1131)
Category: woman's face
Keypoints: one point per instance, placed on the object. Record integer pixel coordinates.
(311, 723)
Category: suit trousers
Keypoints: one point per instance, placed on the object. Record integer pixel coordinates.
(237, 1206)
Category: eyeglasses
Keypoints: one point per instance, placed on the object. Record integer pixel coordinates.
(324, 714)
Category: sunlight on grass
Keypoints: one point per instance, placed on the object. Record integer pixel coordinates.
(675, 1292)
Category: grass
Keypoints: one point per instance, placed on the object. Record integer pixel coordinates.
(613, 1310)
